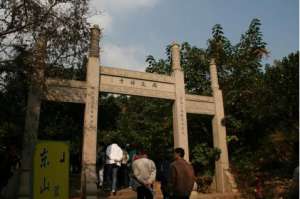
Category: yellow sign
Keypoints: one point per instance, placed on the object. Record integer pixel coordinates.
(51, 170)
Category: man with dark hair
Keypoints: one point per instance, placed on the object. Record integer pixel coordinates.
(180, 152)
(182, 178)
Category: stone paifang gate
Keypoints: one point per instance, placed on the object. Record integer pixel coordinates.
(120, 81)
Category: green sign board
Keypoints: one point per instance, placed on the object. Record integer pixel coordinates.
(51, 170)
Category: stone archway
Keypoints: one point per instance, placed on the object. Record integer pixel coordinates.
(106, 79)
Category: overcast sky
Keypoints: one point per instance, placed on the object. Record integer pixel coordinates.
(133, 29)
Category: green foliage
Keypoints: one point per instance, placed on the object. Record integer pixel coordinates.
(232, 138)
(65, 28)
(62, 121)
(220, 48)
(252, 46)
(13, 91)
(160, 67)
(282, 88)
(136, 120)
(204, 158)
(204, 183)
(278, 152)
(196, 69)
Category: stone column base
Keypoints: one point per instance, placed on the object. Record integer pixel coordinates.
(88, 182)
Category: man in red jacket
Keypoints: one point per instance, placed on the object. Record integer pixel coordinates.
(182, 176)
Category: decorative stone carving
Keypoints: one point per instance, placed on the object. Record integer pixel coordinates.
(130, 86)
(135, 75)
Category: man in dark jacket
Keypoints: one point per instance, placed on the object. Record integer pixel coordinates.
(182, 176)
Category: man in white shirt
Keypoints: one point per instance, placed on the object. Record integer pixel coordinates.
(114, 155)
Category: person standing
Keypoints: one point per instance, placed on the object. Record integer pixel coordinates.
(124, 176)
(132, 153)
(100, 164)
(144, 172)
(114, 155)
(182, 178)
(164, 169)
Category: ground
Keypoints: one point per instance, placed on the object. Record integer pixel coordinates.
(130, 194)
(121, 194)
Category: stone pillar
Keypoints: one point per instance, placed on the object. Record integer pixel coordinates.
(219, 130)
(32, 117)
(179, 107)
(88, 173)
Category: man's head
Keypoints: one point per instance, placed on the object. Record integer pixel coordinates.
(178, 153)
(140, 154)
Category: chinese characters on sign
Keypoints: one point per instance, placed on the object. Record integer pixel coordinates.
(44, 158)
(181, 115)
(51, 170)
(138, 83)
(92, 105)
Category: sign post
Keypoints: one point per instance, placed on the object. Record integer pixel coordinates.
(51, 170)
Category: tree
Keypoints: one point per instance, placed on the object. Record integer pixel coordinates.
(13, 90)
(220, 48)
(63, 23)
(251, 46)
(22, 23)
(244, 83)
(140, 121)
(195, 65)
(282, 93)
(160, 66)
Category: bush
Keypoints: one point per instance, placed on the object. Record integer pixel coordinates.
(203, 159)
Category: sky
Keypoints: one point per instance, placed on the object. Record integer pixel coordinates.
(134, 29)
